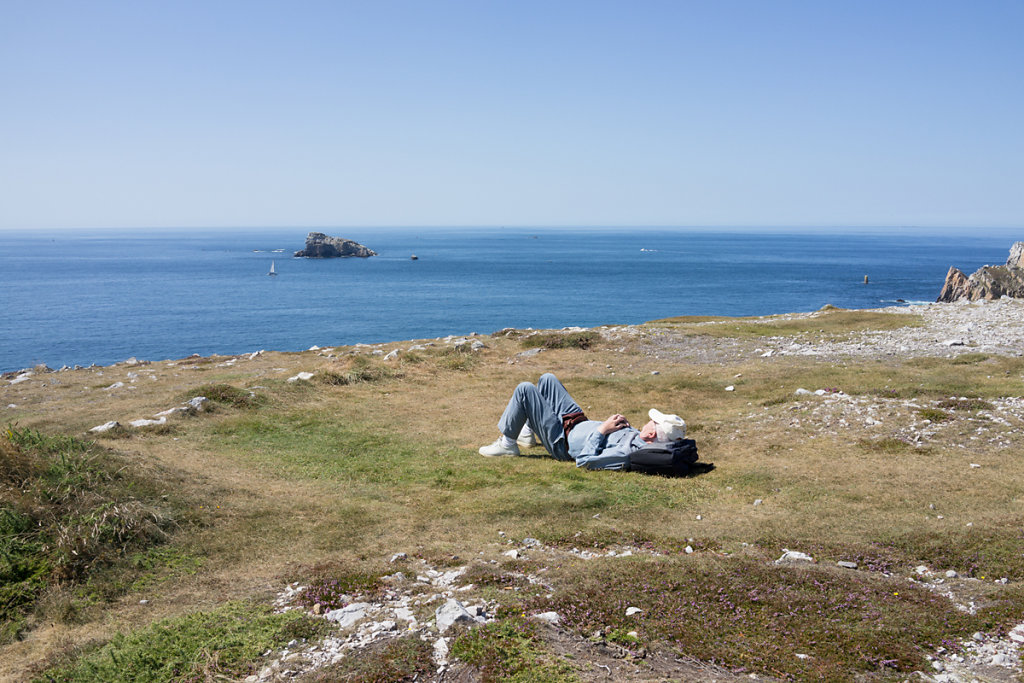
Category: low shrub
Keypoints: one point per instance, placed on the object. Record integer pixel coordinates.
(510, 649)
(750, 616)
(966, 404)
(403, 659)
(562, 340)
(228, 395)
(934, 414)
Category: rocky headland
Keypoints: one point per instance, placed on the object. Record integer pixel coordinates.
(988, 282)
(319, 245)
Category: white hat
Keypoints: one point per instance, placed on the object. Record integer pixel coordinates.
(669, 427)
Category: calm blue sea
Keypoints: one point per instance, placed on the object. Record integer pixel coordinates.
(100, 297)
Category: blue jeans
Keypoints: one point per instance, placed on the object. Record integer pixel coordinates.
(542, 407)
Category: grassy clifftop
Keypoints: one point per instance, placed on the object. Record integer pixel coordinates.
(906, 468)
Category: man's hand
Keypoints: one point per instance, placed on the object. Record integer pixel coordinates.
(613, 424)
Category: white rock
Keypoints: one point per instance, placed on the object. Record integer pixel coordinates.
(348, 615)
(304, 376)
(105, 427)
(440, 651)
(688, 550)
(514, 554)
(951, 574)
(398, 556)
(819, 392)
(550, 617)
(115, 385)
(171, 411)
(148, 423)
(1002, 659)
(197, 402)
(477, 345)
(793, 556)
(630, 611)
(803, 392)
(451, 612)
(975, 465)
(730, 388)
(392, 356)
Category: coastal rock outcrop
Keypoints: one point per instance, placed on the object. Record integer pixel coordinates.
(988, 282)
(319, 245)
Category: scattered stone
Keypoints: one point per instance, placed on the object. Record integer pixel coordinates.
(392, 355)
(793, 557)
(550, 617)
(348, 615)
(398, 556)
(451, 612)
(730, 388)
(514, 554)
(803, 392)
(148, 423)
(115, 385)
(304, 376)
(630, 611)
(105, 427)
(758, 502)
(846, 564)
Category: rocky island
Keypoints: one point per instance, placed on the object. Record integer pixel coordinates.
(319, 245)
(988, 282)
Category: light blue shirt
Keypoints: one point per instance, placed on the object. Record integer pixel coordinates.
(596, 451)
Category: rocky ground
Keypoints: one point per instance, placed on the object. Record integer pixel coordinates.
(992, 327)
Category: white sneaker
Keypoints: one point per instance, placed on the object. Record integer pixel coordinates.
(497, 449)
(527, 439)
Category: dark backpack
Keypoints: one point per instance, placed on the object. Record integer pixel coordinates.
(672, 459)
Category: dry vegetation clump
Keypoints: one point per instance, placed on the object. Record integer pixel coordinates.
(359, 369)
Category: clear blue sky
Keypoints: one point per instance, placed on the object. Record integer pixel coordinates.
(479, 112)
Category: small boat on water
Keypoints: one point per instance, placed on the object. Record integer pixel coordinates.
(414, 257)
(272, 271)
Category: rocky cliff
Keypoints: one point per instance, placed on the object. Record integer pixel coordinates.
(988, 282)
(319, 245)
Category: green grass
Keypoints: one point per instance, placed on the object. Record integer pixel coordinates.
(225, 643)
(70, 513)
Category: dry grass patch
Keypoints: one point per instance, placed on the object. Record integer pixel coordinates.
(830, 322)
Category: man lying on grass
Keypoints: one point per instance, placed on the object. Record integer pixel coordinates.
(547, 411)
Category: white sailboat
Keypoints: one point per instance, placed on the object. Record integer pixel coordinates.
(272, 271)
